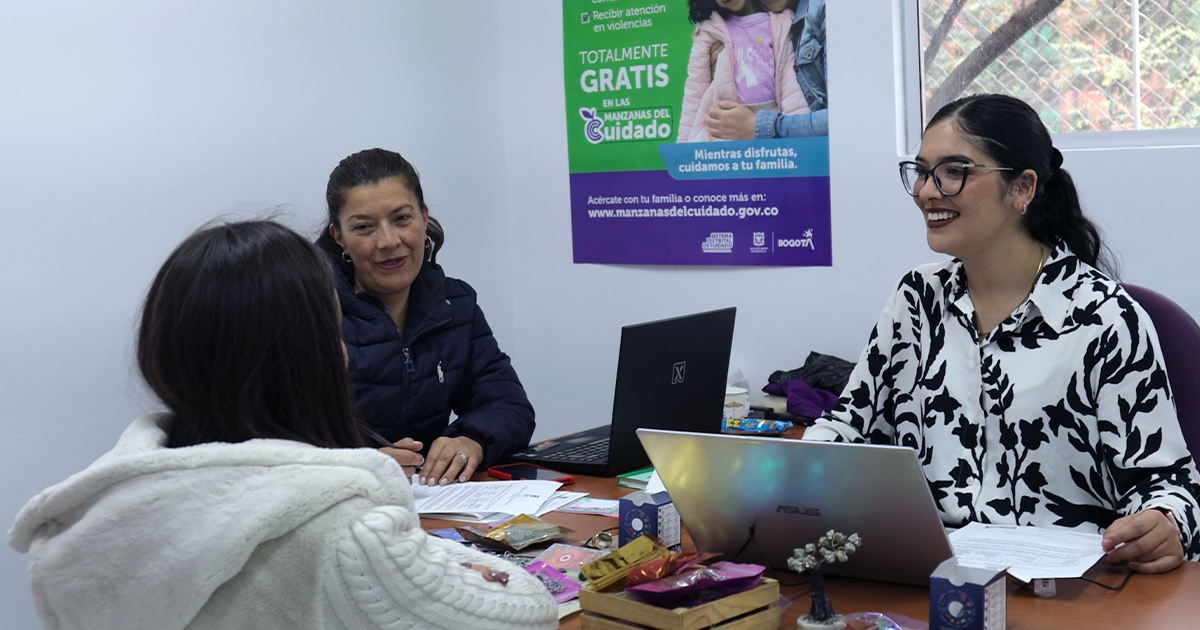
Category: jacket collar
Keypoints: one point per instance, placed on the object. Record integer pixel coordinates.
(1052, 289)
(428, 307)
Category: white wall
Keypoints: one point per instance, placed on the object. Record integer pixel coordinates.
(568, 316)
(123, 128)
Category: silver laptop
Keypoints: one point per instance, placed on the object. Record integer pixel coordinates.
(790, 492)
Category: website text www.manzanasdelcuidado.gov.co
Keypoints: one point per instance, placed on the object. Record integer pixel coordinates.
(683, 211)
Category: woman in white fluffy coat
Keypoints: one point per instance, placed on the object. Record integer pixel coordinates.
(246, 506)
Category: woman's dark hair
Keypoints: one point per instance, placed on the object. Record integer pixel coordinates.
(367, 168)
(701, 10)
(241, 339)
(1010, 132)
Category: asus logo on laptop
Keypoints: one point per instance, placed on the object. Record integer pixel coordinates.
(791, 509)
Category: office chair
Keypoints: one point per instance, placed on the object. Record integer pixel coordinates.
(1179, 342)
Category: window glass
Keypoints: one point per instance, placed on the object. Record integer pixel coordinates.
(1085, 65)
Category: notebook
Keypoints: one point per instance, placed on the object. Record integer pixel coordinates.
(791, 492)
(670, 375)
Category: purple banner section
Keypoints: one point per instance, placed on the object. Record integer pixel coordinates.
(647, 218)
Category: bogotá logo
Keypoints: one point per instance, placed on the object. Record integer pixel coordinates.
(592, 126)
(807, 241)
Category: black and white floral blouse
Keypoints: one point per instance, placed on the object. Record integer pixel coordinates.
(1061, 416)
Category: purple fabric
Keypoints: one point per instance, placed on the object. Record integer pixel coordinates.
(1179, 341)
(804, 400)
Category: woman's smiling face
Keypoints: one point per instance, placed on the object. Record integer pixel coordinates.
(981, 214)
(382, 229)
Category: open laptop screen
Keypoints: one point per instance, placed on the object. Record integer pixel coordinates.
(791, 492)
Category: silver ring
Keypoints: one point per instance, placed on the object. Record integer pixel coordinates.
(463, 456)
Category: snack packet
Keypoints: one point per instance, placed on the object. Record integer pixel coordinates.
(762, 426)
(516, 534)
(569, 557)
(700, 584)
(562, 588)
(612, 568)
(662, 567)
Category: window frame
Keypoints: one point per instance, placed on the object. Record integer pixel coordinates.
(910, 102)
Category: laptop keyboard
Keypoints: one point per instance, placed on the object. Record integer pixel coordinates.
(591, 452)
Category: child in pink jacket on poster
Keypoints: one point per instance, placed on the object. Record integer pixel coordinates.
(741, 53)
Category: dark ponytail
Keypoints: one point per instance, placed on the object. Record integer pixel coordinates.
(1010, 132)
(367, 168)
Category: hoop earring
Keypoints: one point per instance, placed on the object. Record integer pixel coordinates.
(428, 248)
(1024, 207)
(346, 257)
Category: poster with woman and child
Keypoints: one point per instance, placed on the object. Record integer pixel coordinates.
(698, 131)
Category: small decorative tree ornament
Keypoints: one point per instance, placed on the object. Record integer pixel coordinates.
(832, 548)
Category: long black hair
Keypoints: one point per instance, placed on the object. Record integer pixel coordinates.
(1009, 131)
(367, 168)
(241, 338)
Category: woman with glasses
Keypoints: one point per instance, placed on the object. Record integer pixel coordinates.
(250, 502)
(1026, 379)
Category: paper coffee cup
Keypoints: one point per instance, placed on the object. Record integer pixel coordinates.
(737, 402)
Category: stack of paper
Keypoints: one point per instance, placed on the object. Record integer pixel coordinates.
(1028, 553)
(488, 501)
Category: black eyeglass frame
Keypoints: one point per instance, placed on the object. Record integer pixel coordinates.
(923, 177)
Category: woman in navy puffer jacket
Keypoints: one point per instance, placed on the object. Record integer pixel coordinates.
(418, 344)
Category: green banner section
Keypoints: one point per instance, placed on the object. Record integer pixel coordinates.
(626, 64)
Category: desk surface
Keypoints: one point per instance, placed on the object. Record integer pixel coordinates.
(1167, 601)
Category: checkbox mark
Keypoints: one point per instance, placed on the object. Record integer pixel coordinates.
(586, 17)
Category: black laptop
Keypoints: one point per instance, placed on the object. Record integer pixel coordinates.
(670, 375)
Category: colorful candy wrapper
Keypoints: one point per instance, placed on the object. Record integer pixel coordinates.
(569, 557)
(562, 588)
(662, 567)
(762, 426)
(700, 584)
(609, 570)
(516, 534)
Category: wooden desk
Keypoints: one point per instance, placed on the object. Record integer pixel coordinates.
(1170, 601)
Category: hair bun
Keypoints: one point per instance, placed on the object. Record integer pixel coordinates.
(1055, 159)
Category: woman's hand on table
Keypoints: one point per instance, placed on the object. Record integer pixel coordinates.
(407, 453)
(451, 459)
(1151, 542)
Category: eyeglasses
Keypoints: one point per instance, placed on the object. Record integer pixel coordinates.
(949, 176)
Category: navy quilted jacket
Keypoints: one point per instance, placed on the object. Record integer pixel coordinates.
(448, 360)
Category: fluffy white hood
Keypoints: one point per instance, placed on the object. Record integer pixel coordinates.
(145, 535)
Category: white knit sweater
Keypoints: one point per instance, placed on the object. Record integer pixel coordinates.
(263, 534)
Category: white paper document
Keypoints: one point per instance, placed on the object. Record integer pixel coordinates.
(1027, 552)
(483, 501)
(601, 507)
(558, 500)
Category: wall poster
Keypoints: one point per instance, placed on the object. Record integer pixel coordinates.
(698, 131)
